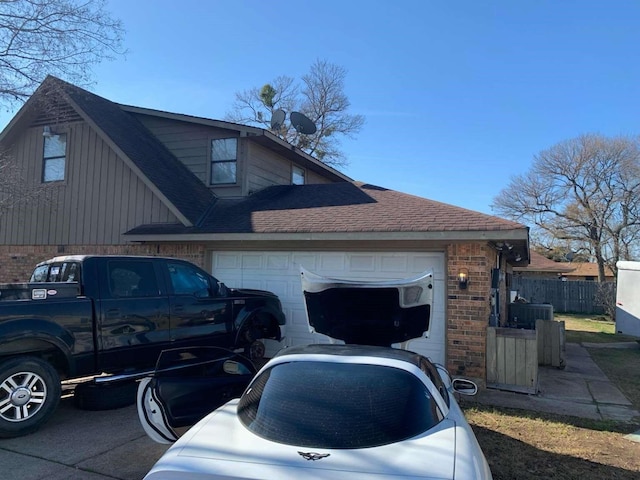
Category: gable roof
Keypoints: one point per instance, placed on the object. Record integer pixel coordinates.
(339, 210)
(157, 167)
(153, 160)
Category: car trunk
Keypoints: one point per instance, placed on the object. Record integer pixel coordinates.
(371, 312)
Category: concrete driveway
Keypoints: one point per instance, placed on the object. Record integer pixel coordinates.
(82, 445)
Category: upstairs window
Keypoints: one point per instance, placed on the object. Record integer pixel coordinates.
(224, 160)
(297, 176)
(54, 159)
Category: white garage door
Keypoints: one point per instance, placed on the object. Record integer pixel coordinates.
(279, 272)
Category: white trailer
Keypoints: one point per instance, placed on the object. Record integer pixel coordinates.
(628, 298)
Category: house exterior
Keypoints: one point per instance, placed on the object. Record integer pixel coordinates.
(586, 271)
(249, 208)
(541, 267)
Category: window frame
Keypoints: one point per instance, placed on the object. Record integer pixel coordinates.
(213, 162)
(301, 172)
(144, 269)
(46, 159)
(173, 267)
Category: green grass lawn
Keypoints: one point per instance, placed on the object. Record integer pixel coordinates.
(591, 329)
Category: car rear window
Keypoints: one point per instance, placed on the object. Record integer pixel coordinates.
(337, 405)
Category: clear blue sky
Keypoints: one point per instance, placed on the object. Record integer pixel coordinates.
(458, 96)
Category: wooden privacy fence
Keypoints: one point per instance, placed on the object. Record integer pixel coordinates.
(513, 355)
(567, 297)
(512, 359)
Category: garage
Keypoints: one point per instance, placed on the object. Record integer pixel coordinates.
(279, 272)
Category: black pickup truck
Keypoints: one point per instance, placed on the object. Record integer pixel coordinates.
(82, 316)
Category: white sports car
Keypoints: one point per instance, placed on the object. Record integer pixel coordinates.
(323, 411)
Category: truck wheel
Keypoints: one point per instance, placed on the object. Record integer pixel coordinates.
(29, 394)
(105, 396)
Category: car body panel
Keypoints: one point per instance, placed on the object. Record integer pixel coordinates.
(204, 449)
(368, 312)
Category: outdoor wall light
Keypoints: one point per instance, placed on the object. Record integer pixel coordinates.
(463, 278)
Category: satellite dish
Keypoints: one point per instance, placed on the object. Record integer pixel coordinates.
(302, 123)
(277, 119)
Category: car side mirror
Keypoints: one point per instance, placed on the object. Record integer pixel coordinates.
(222, 289)
(464, 386)
(235, 368)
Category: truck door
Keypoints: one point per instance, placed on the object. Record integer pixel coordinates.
(199, 315)
(133, 325)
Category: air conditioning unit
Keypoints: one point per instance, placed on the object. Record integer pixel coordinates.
(524, 315)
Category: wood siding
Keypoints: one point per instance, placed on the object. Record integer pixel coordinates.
(99, 200)
(266, 168)
(258, 167)
(191, 144)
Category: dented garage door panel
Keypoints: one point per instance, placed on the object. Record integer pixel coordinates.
(279, 272)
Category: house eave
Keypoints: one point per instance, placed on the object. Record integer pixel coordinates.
(452, 236)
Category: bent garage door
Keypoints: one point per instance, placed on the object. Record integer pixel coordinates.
(279, 272)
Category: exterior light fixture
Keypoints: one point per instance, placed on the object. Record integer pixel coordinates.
(47, 132)
(463, 278)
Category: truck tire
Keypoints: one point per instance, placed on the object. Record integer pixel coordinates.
(29, 394)
(105, 396)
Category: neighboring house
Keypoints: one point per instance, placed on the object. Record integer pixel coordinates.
(248, 207)
(541, 267)
(586, 271)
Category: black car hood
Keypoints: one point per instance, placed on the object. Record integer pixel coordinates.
(368, 312)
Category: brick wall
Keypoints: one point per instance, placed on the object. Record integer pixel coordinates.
(468, 310)
(17, 262)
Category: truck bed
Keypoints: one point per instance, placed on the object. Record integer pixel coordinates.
(38, 291)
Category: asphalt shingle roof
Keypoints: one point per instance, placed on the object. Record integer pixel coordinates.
(335, 208)
(540, 263)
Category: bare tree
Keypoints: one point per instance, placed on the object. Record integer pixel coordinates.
(15, 190)
(64, 38)
(40, 37)
(584, 192)
(320, 96)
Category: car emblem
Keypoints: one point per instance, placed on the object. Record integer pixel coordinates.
(313, 456)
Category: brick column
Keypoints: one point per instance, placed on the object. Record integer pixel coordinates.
(468, 310)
